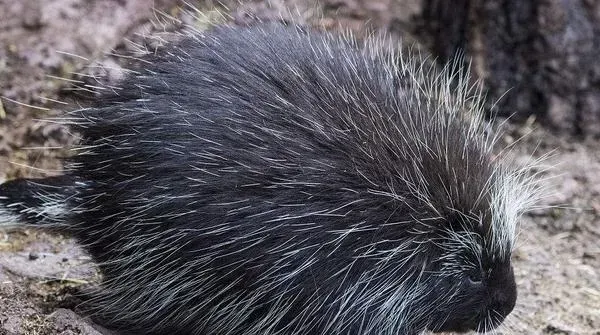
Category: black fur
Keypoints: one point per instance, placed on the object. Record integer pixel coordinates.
(249, 182)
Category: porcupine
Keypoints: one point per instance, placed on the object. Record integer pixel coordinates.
(277, 180)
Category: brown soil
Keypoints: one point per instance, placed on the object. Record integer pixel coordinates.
(558, 259)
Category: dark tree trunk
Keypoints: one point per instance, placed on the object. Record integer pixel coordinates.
(541, 57)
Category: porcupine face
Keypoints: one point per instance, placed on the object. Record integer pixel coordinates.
(469, 272)
(477, 296)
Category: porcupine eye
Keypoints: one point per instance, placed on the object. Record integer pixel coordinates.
(474, 278)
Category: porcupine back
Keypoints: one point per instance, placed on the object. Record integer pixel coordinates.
(271, 180)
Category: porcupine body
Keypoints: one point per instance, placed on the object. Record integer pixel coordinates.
(275, 180)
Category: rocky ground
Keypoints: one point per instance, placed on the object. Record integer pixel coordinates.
(52, 53)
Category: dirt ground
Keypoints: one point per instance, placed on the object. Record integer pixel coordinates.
(52, 53)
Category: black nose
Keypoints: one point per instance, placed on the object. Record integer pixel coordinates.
(503, 294)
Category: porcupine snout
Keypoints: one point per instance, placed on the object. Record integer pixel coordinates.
(503, 295)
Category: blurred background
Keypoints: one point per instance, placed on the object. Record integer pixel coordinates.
(537, 60)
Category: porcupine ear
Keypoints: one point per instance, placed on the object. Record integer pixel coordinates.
(456, 221)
